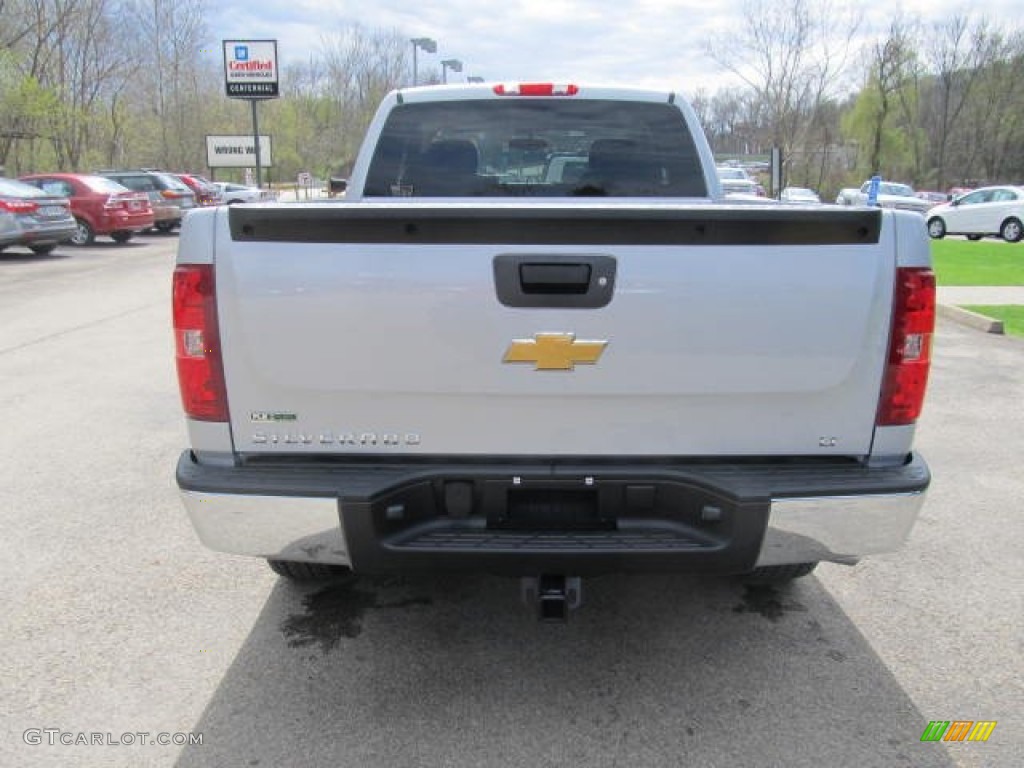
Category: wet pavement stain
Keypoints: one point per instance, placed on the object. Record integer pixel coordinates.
(767, 601)
(337, 612)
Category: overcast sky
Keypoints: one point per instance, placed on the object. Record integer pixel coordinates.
(651, 43)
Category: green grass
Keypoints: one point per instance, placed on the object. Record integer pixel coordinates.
(985, 262)
(1012, 316)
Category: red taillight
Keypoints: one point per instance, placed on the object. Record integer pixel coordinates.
(114, 203)
(172, 194)
(18, 206)
(197, 344)
(910, 347)
(536, 89)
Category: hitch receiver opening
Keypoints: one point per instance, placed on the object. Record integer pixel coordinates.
(552, 596)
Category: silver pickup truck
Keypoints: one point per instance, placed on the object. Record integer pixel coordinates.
(467, 365)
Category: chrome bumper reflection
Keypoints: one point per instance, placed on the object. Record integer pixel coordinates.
(837, 528)
(275, 527)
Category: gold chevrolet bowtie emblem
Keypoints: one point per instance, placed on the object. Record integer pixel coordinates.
(554, 351)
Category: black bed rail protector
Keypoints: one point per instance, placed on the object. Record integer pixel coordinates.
(569, 225)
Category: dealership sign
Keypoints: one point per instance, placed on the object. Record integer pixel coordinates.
(236, 152)
(250, 69)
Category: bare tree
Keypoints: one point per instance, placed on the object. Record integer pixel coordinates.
(996, 107)
(958, 50)
(732, 121)
(85, 62)
(16, 19)
(792, 55)
(169, 35)
(361, 66)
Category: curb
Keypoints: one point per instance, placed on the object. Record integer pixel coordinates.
(970, 319)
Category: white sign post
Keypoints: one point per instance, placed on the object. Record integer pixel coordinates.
(250, 72)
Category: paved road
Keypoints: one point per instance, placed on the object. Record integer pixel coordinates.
(117, 621)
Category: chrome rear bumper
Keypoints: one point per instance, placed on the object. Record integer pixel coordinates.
(837, 529)
(276, 518)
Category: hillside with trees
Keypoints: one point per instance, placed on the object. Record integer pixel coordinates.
(88, 84)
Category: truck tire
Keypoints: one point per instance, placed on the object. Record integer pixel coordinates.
(298, 571)
(779, 574)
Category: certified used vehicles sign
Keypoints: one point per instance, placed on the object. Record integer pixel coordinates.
(250, 69)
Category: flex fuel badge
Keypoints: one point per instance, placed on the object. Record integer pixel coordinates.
(271, 416)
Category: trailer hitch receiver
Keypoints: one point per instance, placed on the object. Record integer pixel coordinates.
(552, 595)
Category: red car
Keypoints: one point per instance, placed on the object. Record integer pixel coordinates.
(100, 206)
(205, 191)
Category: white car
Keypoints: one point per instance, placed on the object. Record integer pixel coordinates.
(799, 195)
(985, 211)
(238, 193)
(736, 181)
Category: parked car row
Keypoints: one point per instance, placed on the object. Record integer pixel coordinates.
(100, 206)
(993, 211)
(168, 195)
(42, 210)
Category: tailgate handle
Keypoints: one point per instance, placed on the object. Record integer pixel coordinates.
(554, 278)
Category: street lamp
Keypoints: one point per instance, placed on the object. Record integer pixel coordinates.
(428, 45)
(453, 64)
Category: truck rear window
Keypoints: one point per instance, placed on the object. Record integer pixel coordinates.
(535, 147)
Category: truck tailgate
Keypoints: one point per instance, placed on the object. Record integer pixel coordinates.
(379, 328)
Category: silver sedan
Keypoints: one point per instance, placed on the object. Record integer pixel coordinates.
(31, 217)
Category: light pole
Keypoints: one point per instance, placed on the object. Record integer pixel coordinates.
(453, 64)
(428, 45)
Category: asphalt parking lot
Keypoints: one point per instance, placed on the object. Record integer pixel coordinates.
(118, 622)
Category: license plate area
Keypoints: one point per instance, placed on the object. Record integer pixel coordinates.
(552, 509)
